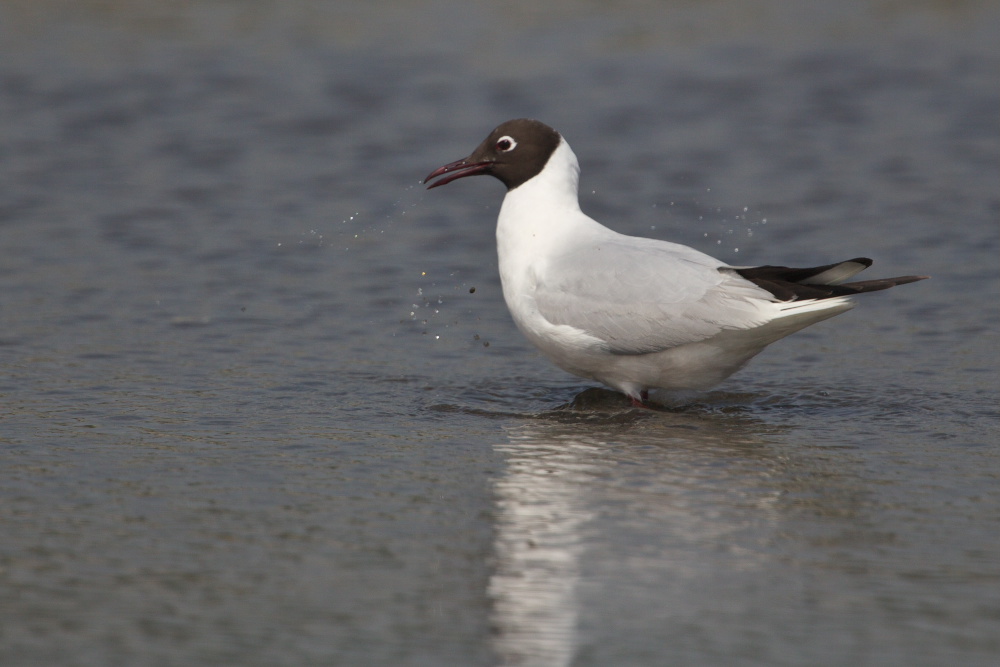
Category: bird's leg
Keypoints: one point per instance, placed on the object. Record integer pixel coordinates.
(641, 401)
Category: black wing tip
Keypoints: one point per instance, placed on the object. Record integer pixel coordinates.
(874, 285)
(902, 280)
(788, 290)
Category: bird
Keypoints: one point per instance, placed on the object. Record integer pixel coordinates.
(633, 313)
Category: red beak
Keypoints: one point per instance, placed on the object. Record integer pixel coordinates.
(458, 169)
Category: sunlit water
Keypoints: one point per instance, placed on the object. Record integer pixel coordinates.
(261, 402)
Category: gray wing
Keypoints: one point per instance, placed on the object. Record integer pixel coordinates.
(642, 295)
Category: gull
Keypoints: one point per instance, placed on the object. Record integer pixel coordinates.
(636, 314)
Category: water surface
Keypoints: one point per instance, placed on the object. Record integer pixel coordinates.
(261, 402)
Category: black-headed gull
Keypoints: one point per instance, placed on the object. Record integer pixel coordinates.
(633, 313)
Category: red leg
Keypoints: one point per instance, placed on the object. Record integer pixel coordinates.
(641, 401)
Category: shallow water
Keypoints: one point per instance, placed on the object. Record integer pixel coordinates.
(261, 402)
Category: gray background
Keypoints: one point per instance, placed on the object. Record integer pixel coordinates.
(252, 413)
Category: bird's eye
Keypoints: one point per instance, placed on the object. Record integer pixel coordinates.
(506, 144)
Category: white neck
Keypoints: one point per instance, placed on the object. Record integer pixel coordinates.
(555, 187)
(538, 219)
(544, 210)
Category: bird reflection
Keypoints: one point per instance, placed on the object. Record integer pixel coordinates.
(538, 547)
(562, 468)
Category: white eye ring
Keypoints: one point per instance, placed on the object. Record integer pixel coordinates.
(506, 144)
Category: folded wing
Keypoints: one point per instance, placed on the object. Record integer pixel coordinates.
(640, 296)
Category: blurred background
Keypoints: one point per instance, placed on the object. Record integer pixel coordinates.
(261, 402)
